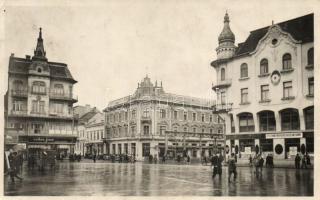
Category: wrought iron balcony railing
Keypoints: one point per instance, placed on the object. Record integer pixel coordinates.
(220, 108)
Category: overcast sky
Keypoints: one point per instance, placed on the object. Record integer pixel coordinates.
(111, 46)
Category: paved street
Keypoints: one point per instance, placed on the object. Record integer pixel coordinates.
(121, 179)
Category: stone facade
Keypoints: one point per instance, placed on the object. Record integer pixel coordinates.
(153, 122)
(265, 90)
(38, 110)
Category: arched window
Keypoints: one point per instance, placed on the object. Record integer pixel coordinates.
(310, 56)
(309, 117)
(267, 121)
(244, 70)
(286, 61)
(264, 66)
(223, 74)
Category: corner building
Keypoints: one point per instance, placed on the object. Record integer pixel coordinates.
(38, 104)
(265, 88)
(153, 122)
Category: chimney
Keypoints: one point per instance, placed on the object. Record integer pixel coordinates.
(28, 57)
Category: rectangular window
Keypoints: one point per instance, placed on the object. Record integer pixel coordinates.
(246, 123)
(287, 89)
(210, 118)
(162, 130)
(162, 113)
(310, 86)
(146, 113)
(223, 97)
(133, 114)
(145, 149)
(146, 130)
(244, 95)
(175, 114)
(202, 117)
(194, 116)
(185, 116)
(264, 92)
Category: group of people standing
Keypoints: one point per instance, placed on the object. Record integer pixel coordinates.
(304, 159)
(216, 163)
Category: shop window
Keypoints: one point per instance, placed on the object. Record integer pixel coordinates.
(290, 119)
(145, 149)
(246, 123)
(243, 143)
(266, 145)
(286, 61)
(267, 121)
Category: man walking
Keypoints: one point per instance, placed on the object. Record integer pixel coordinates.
(297, 161)
(232, 168)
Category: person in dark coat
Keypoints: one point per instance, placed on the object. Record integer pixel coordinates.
(308, 159)
(214, 164)
(94, 157)
(297, 161)
(304, 162)
(232, 168)
(13, 161)
(188, 159)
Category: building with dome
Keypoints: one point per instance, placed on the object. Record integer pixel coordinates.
(153, 122)
(265, 88)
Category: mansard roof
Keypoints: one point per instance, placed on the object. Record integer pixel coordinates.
(57, 70)
(301, 29)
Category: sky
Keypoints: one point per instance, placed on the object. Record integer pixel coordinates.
(110, 46)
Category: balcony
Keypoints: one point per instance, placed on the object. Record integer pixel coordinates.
(18, 113)
(145, 119)
(222, 84)
(20, 93)
(222, 108)
(63, 97)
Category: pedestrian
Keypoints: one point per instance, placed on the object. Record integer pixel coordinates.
(232, 168)
(297, 161)
(214, 164)
(257, 164)
(94, 157)
(13, 161)
(261, 161)
(304, 162)
(250, 160)
(308, 159)
(188, 160)
(163, 158)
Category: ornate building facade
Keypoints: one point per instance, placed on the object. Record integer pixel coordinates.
(265, 88)
(153, 122)
(38, 110)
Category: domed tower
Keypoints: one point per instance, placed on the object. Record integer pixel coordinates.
(226, 48)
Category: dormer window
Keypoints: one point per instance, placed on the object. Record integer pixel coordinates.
(223, 74)
(39, 70)
(264, 65)
(243, 70)
(286, 62)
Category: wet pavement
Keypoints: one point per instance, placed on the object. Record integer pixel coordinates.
(126, 179)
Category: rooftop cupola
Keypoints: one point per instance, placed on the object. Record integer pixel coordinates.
(39, 52)
(226, 40)
(226, 35)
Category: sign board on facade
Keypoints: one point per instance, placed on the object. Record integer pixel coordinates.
(283, 135)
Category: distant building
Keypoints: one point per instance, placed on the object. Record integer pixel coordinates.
(153, 122)
(91, 131)
(38, 109)
(265, 88)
